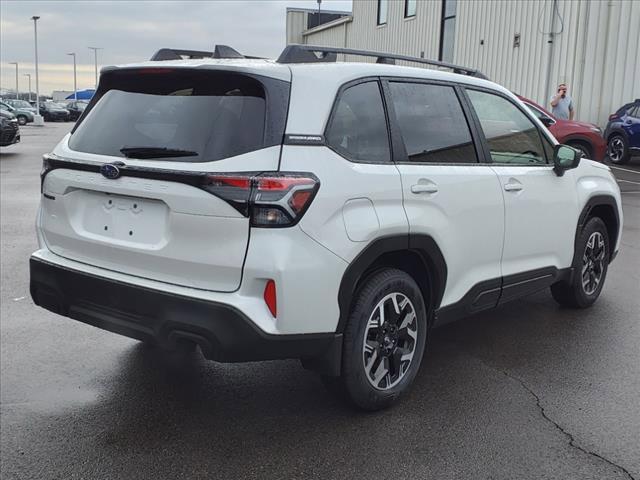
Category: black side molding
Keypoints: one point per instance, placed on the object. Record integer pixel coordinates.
(498, 291)
(595, 202)
(433, 265)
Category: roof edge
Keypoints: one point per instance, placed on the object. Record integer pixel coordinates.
(315, 10)
(325, 26)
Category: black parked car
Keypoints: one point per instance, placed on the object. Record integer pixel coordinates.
(52, 112)
(9, 130)
(75, 109)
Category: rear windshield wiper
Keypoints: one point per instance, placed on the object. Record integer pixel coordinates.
(155, 152)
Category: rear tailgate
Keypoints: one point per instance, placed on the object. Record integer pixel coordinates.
(154, 216)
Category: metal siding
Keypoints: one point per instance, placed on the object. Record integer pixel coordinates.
(296, 24)
(597, 53)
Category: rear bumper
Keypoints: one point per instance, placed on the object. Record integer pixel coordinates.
(223, 332)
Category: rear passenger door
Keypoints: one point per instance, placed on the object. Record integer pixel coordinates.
(448, 193)
(541, 208)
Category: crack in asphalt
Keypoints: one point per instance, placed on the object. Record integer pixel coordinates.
(572, 440)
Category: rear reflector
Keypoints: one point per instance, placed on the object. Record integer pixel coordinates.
(269, 199)
(270, 297)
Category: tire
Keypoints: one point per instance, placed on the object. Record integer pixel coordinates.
(22, 120)
(591, 261)
(396, 346)
(618, 149)
(584, 147)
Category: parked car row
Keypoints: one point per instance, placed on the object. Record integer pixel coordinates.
(9, 130)
(619, 142)
(21, 109)
(51, 111)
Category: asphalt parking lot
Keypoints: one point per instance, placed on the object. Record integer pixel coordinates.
(529, 391)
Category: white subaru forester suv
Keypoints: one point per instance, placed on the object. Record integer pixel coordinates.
(303, 208)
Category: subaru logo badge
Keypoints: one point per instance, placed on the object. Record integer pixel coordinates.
(110, 171)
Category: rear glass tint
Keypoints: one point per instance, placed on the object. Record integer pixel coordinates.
(210, 114)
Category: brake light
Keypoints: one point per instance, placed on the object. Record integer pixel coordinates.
(613, 116)
(270, 199)
(270, 297)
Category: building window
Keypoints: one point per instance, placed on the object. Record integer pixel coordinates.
(410, 8)
(383, 7)
(447, 30)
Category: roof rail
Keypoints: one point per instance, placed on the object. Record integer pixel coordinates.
(220, 51)
(297, 53)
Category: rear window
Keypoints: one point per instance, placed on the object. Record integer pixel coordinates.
(202, 115)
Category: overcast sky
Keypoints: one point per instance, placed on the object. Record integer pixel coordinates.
(130, 31)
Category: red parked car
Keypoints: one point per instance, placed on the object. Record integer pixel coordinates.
(583, 136)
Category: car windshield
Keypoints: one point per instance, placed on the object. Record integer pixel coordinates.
(21, 104)
(210, 115)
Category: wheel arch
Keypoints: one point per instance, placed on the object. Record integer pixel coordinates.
(606, 208)
(418, 255)
(579, 139)
(617, 130)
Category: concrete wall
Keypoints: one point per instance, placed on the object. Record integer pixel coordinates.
(596, 48)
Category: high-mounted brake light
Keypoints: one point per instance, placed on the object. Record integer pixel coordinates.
(269, 199)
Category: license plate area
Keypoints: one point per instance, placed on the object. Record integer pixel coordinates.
(119, 219)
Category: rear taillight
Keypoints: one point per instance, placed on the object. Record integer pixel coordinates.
(270, 199)
(613, 116)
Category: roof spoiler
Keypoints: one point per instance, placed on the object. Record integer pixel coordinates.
(298, 53)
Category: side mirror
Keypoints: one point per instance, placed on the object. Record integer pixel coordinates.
(565, 158)
(548, 121)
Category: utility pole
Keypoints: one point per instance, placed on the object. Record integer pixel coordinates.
(29, 76)
(38, 119)
(16, 64)
(75, 82)
(95, 58)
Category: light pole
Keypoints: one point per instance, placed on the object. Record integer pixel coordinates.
(29, 76)
(38, 119)
(95, 58)
(16, 64)
(75, 83)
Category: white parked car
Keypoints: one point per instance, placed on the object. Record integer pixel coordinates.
(332, 212)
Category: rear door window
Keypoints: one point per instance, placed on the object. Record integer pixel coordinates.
(358, 128)
(432, 123)
(194, 115)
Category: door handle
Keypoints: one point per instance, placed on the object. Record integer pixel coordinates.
(424, 188)
(513, 187)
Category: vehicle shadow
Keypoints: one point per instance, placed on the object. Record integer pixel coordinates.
(162, 414)
(9, 154)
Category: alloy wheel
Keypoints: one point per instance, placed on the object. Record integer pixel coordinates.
(616, 149)
(593, 263)
(389, 341)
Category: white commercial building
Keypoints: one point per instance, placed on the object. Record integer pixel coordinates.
(529, 46)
